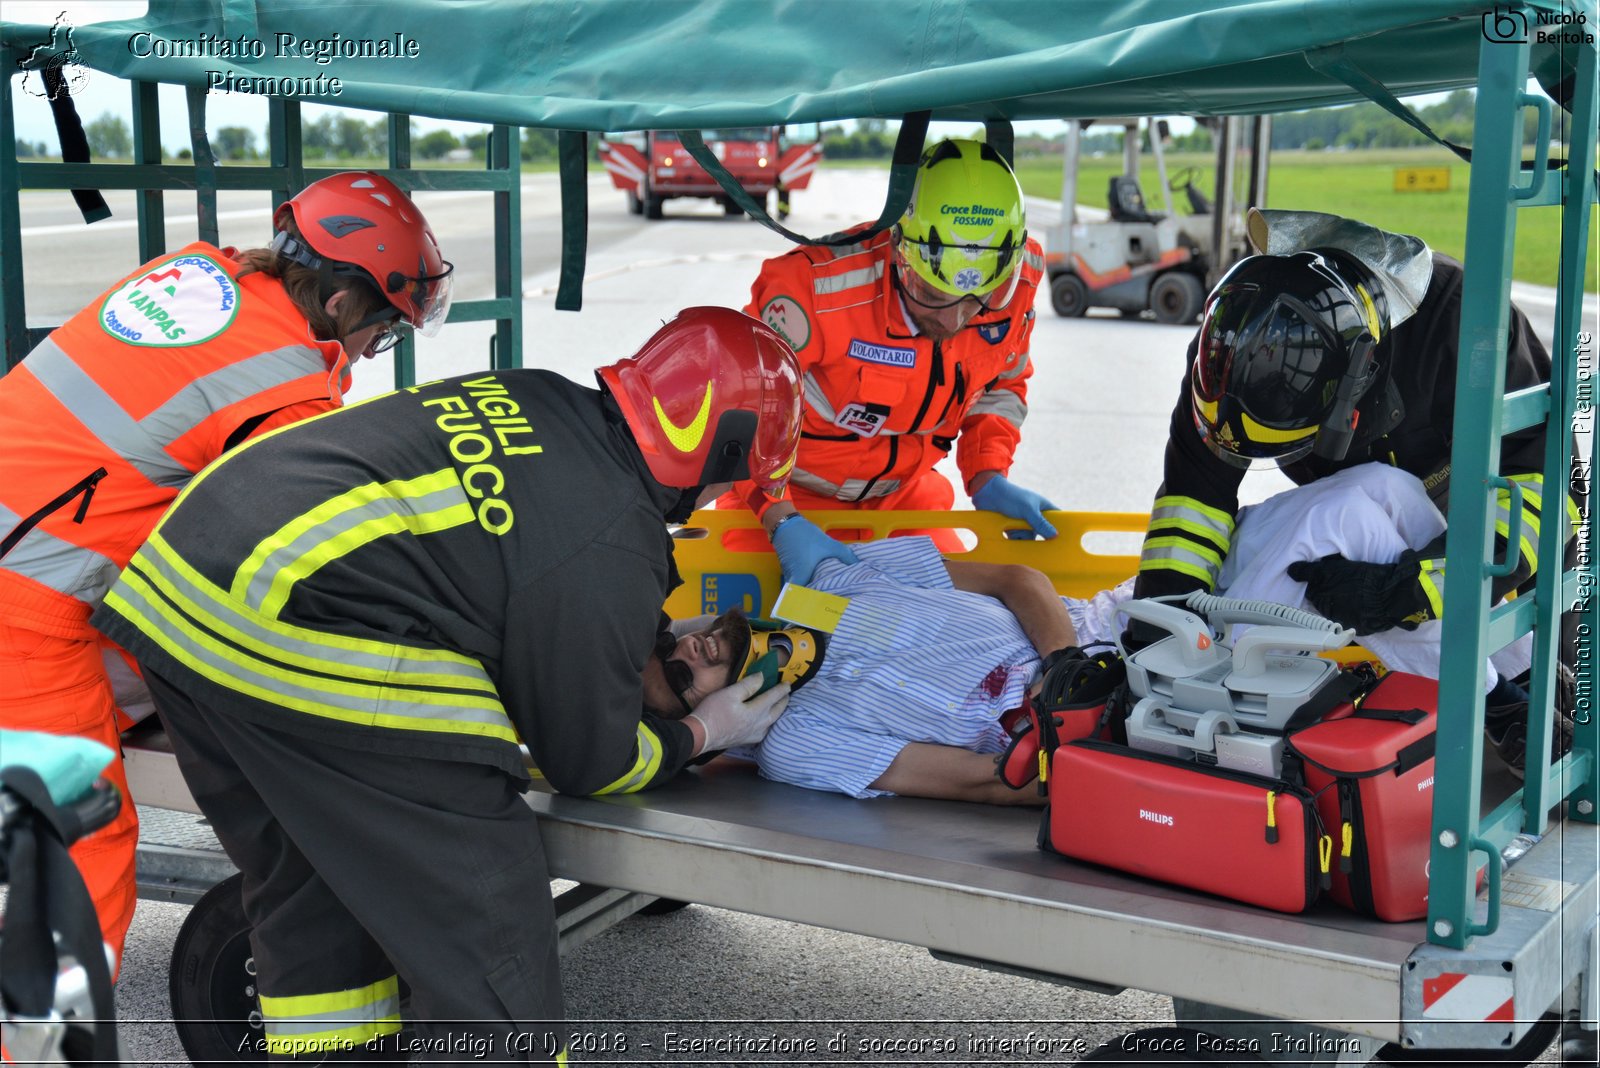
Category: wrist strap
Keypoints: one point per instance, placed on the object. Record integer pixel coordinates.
(779, 525)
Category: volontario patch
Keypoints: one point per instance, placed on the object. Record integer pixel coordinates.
(185, 300)
(892, 355)
(785, 315)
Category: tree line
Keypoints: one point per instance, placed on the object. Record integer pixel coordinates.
(331, 136)
(335, 136)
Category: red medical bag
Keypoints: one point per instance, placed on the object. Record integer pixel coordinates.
(1245, 837)
(1371, 768)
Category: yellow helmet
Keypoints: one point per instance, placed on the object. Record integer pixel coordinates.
(964, 229)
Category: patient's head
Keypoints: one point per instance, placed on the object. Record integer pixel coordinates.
(682, 672)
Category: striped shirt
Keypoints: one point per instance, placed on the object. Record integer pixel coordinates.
(912, 660)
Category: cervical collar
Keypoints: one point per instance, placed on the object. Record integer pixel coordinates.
(772, 641)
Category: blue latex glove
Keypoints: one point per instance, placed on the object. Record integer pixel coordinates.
(802, 545)
(1000, 494)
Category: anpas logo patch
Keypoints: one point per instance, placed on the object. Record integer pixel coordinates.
(785, 316)
(885, 354)
(187, 300)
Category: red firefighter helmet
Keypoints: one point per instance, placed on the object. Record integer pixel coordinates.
(363, 221)
(713, 396)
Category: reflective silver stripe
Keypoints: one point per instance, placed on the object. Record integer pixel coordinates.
(373, 705)
(260, 586)
(645, 766)
(1182, 513)
(286, 1016)
(851, 490)
(1032, 258)
(102, 415)
(211, 393)
(842, 251)
(1018, 365)
(298, 646)
(1002, 402)
(816, 398)
(1178, 558)
(59, 564)
(838, 283)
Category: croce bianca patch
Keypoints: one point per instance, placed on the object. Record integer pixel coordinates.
(185, 300)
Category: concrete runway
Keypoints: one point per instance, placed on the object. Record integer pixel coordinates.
(1099, 400)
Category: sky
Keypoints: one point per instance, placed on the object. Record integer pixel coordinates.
(103, 93)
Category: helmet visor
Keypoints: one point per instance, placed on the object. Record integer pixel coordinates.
(952, 272)
(429, 294)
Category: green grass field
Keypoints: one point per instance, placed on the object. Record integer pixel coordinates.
(1358, 185)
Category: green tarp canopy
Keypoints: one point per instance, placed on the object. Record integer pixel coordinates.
(681, 64)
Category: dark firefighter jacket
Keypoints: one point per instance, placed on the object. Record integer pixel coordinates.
(1192, 519)
(440, 572)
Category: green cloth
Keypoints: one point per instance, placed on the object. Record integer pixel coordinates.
(690, 64)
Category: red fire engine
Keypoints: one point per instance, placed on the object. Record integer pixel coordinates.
(653, 166)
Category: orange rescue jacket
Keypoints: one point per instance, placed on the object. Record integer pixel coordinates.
(883, 404)
(111, 415)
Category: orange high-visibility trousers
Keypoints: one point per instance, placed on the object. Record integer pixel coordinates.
(930, 493)
(59, 686)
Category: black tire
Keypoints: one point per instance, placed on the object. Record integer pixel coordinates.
(1069, 296)
(652, 202)
(1159, 1047)
(1533, 1044)
(635, 205)
(1176, 297)
(212, 982)
(730, 208)
(663, 906)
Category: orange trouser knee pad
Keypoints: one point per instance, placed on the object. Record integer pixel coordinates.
(58, 686)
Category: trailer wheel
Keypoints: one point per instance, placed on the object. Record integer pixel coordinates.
(652, 201)
(212, 981)
(1176, 297)
(729, 207)
(1157, 1047)
(635, 205)
(1068, 295)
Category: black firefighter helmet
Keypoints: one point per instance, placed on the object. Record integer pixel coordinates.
(1286, 354)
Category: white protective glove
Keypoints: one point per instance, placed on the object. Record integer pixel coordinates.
(734, 716)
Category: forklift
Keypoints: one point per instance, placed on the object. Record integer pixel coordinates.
(1137, 260)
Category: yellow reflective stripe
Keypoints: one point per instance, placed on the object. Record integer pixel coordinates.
(343, 1038)
(379, 661)
(1525, 546)
(1181, 566)
(1256, 432)
(1211, 534)
(284, 556)
(1217, 515)
(1208, 409)
(226, 666)
(1203, 552)
(334, 1001)
(645, 765)
(1430, 577)
(685, 438)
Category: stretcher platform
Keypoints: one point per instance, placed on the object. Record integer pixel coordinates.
(968, 883)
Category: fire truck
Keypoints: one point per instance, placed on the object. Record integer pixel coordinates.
(652, 166)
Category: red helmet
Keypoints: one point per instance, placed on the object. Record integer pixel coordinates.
(362, 220)
(713, 396)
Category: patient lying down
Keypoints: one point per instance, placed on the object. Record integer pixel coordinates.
(907, 694)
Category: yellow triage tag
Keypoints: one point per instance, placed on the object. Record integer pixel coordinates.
(810, 608)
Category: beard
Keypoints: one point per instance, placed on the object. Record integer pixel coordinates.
(732, 631)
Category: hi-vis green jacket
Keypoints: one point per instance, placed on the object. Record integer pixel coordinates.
(1192, 520)
(440, 572)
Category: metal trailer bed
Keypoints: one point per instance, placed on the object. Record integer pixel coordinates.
(968, 883)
